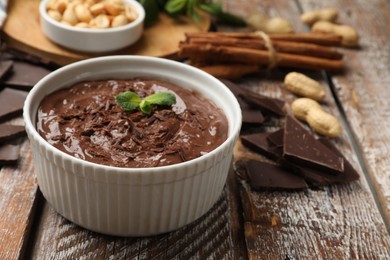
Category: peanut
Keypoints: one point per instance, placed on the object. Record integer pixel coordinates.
(325, 14)
(269, 25)
(101, 21)
(113, 8)
(310, 111)
(130, 13)
(302, 85)
(69, 15)
(119, 20)
(92, 13)
(82, 13)
(350, 37)
(55, 15)
(97, 9)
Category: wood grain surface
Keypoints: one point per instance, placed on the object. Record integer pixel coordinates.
(22, 31)
(314, 223)
(364, 90)
(18, 200)
(333, 222)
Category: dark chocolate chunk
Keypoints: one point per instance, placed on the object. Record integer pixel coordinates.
(9, 154)
(276, 138)
(349, 173)
(264, 175)
(301, 147)
(234, 88)
(237, 90)
(267, 104)
(11, 101)
(25, 75)
(252, 117)
(5, 69)
(258, 143)
(8, 132)
(322, 177)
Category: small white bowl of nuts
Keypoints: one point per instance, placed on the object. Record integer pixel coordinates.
(92, 25)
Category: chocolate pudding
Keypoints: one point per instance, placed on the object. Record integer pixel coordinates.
(85, 121)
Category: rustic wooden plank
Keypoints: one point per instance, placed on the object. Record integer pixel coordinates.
(18, 190)
(334, 222)
(363, 90)
(216, 235)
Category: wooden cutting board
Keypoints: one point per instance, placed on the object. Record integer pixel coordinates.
(22, 31)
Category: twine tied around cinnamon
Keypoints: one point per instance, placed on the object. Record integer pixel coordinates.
(273, 60)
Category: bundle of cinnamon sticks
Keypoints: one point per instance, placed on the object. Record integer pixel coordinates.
(231, 55)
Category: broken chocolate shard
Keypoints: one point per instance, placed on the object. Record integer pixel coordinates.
(5, 69)
(9, 154)
(268, 176)
(276, 138)
(267, 104)
(302, 148)
(11, 101)
(9, 132)
(252, 117)
(258, 143)
(349, 173)
(25, 75)
(234, 88)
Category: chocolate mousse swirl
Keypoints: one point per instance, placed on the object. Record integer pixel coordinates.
(86, 122)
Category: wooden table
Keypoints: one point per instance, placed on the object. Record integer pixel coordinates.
(350, 221)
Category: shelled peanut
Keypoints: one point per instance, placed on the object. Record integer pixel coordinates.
(325, 14)
(310, 111)
(92, 13)
(349, 35)
(304, 86)
(267, 24)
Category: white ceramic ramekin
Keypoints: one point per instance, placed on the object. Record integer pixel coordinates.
(92, 40)
(131, 201)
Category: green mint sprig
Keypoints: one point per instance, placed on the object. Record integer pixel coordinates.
(189, 8)
(130, 101)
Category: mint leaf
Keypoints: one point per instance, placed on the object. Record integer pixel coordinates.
(161, 98)
(129, 100)
(145, 107)
(175, 7)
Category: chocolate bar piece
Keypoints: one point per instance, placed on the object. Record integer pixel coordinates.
(252, 117)
(237, 90)
(25, 75)
(267, 104)
(264, 175)
(349, 173)
(8, 132)
(5, 69)
(258, 142)
(301, 147)
(276, 138)
(11, 101)
(9, 154)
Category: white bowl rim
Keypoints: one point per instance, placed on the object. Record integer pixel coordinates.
(136, 22)
(233, 132)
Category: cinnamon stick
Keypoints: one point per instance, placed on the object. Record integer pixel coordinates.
(315, 38)
(306, 49)
(210, 53)
(230, 71)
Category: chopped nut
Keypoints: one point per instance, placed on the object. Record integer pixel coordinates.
(82, 13)
(102, 21)
(91, 13)
(119, 20)
(55, 15)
